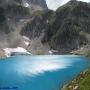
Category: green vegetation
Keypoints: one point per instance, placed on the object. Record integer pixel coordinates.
(85, 83)
(81, 82)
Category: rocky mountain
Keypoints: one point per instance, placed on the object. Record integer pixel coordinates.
(39, 4)
(69, 26)
(36, 4)
(38, 25)
(21, 8)
(14, 10)
(65, 30)
(13, 15)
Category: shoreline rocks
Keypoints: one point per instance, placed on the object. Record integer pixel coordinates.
(2, 54)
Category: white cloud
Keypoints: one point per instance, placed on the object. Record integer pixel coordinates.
(54, 4)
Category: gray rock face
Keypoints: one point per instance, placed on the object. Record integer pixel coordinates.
(19, 9)
(41, 3)
(32, 3)
(13, 15)
(38, 25)
(65, 30)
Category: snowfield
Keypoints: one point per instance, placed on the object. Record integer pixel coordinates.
(18, 50)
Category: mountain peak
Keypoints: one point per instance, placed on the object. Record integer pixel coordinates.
(35, 4)
(73, 1)
(39, 4)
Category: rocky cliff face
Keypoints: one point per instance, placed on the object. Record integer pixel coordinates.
(68, 27)
(16, 11)
(32, 3)
(22, 8)
(65, 30)
(26, 3)
(38, 25)
(13, 15)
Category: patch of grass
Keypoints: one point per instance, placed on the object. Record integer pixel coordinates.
(82, 81)
(85, 83)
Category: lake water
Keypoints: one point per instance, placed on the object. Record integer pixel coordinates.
(40, 72)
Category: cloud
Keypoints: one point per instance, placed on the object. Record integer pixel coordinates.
(54, 4)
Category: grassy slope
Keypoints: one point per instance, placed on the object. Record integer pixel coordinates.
(85, 83)
(81, 82)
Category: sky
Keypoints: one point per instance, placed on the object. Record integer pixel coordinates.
(54, 4)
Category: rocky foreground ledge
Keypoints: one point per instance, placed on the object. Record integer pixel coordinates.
(2, 54)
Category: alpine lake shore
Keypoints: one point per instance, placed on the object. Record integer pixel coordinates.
(82, 81)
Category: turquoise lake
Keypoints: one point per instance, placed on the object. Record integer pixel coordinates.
(47, 72)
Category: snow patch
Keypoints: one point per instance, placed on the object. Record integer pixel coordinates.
(52, 51)
(26, 43)
(26, 5)
(26, 40)
(9, 51)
